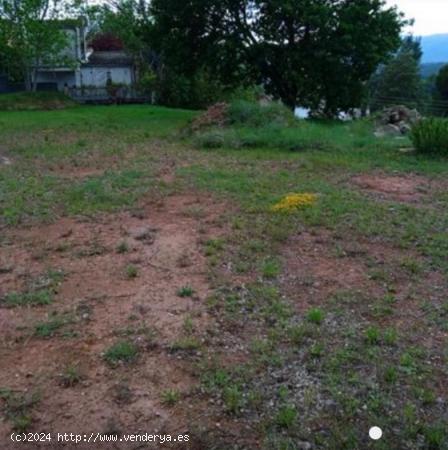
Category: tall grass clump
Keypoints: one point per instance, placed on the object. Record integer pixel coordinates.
(430, 136)
(250, 114)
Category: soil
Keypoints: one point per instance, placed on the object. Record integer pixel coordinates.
(399, 188)
(105, 305)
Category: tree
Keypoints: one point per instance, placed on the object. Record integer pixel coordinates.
(129, 21)
(106, 42)
(400, 81)
(316, 53)
(31, 36)
(442, 83)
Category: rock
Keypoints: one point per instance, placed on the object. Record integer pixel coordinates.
(4, 161)
(304, 445)
(145, 234)
(404, 127)
(396, 121)
(388, 130)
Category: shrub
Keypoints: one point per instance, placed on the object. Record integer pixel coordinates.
(254, 115)
(431, 136)
(211, 139)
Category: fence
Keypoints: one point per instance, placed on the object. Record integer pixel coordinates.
(428, 107)
(124, 94)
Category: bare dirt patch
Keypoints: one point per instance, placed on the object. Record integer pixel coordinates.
(106, 302)
(314, 272)
(399, 188)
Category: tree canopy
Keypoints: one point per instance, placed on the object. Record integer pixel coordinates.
(400, 81)
(316, 53)
(31, 35)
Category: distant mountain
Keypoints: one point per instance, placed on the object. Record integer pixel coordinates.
(435, 48)
(430, 69)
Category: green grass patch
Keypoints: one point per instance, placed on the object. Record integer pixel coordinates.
(124, 352)
(30, 101)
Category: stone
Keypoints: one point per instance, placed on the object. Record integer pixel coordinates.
(388, 130)
(396, 121)
(404, 127)
(4, 161)
(143, 234)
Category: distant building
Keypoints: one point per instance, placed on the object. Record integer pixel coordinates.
(87, 69)
(115, 66)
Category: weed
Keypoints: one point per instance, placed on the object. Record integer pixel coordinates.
(50, 328)
(122, 247)
(186, 344)
(233, 399)
(131, 271)
(188, 325)
(390, 375)
(299, 333)
(18, 406)
(390, 336)
(315, 316)
(170, 397)
(286, 417)
(185, 291)
(121, 352)
(412, 265)
(38, 298)
(270, 269)
(317, 350)
(372, 336)
(71, 376)
(213, 246)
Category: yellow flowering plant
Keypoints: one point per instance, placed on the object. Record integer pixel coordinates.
(294, 202)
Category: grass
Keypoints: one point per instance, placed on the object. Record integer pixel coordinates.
(185, 291)
(50, 328)
(122, 352)
(170, 397)
(315, 316)
(71, 376)
(292, 373)
(39, 298)
(18, 408)
(30, 101)
(131, 271)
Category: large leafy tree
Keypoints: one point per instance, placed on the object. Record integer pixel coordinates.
(31, 36)
(317, 53)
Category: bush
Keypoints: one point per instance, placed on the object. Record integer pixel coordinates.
(250, 114)
(431, 136)
(196, 92)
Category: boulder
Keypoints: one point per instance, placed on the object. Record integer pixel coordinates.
(388, 130)
(396, 121)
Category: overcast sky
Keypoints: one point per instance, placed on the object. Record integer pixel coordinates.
(431, 16)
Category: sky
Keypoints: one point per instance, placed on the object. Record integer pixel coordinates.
(431, 16)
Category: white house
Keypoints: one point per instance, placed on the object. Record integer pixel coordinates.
(88, 69)
(116, 66)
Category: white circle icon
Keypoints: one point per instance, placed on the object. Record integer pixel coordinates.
(376, 433)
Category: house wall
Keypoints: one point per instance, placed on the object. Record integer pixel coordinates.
(59, 79)
(98, 76)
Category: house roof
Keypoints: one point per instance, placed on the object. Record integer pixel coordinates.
(109, 59)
